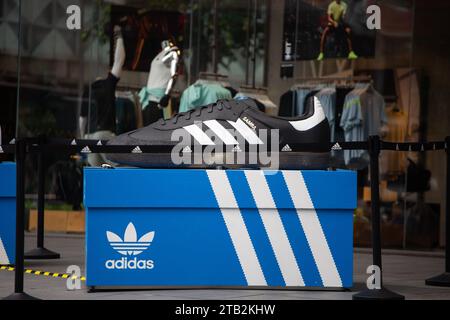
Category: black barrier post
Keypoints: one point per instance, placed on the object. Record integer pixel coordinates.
(443, 280)
(41, 252)
(19, 294)
(380, 292)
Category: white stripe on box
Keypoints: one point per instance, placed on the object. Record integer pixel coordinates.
(3, 255)
(313, 230)
(274, 227)
(221, 132)
(236, 227)
(246, 132)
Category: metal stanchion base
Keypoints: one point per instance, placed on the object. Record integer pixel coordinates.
(41, 253)
(377, 294)
(442, 280)
(20, 296)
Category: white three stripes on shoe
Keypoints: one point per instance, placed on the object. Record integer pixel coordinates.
(201, 137)
(221, 132)
(274, 227)
(312, 228)
(246, 132)
(236, 227)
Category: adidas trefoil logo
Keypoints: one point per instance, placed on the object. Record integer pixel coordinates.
(286, 148)
(130, 245)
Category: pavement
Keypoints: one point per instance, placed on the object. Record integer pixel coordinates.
(403, 272)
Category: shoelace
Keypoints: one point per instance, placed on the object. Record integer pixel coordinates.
(219, 105)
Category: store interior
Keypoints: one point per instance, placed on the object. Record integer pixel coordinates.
(262, 49)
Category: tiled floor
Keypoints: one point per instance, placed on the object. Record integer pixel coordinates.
(404, 274)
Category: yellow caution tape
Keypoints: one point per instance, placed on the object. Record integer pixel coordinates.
(46, 273)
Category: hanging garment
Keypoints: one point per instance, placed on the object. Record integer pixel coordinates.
(152, 113)
(125, 115)
(199, 94)
(147, 95)
(374, 114)
(327, 98)
(409, 95)
(341, 94)
(259, 104)
(392, 162)
(363, 115)
(232, 90)
(302, 95)
(262, 100)
(293, 102)
(351, 123)
(100, 109)
(308, 101)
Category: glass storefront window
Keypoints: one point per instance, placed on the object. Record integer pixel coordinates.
(262, 48)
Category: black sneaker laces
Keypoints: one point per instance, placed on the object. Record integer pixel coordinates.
(197, 112)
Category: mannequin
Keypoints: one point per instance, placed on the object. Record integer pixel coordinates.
(162, 76)
(101, 112)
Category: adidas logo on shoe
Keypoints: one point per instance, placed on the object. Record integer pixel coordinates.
(186, 149)
(286, 148)
(236, 148)
(136, 150)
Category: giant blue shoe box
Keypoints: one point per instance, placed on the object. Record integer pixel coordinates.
(219, 228)
(7, 213)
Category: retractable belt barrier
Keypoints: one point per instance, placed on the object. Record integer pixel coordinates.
(373, 145)
(100, 146)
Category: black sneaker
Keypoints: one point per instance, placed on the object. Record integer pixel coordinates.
(234, 129)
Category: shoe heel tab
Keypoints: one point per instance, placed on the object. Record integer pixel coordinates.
(313, 120)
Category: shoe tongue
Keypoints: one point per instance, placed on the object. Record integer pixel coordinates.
(248, 102)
